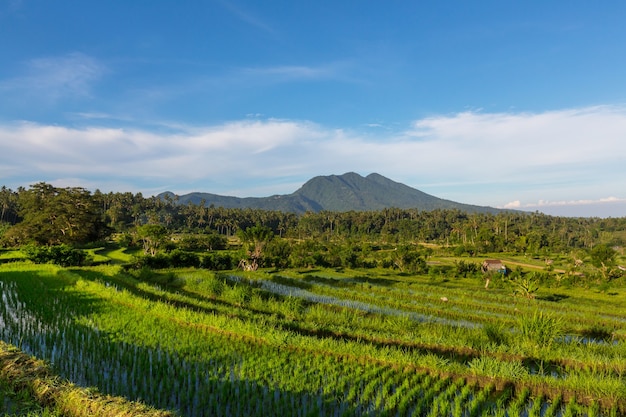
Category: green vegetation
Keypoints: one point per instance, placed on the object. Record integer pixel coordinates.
(317, 342)
(29, 388)
(208, 311)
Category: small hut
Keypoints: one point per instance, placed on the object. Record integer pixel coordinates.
(493, 265)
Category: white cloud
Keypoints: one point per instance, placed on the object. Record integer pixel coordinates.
(602, 207)
(543, 203)
(555, 151)
(52, 78)
(561, 156)
(547, 203)
(231, 150)
(528, 140)
(513, 205)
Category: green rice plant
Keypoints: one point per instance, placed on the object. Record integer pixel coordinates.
(494, 367)
(394, 401)
(33, 379)
(458, 407)
(292, 307)
(496, 333)
(317, 313)
(432, 361)
(540, 329)
(518, 405)
(555, 405)
(238, 294)
(593, 409)
(401, 323)
(439, 407)
(595, 384)
(367, 395)
(202, 353)
(414, 397)
(615, 412)
(503, 399)
(572, 409)
(535, 408)
(442, 406)
(479, 400)
(214, 285)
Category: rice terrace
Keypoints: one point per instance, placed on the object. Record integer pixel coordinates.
(145, 307)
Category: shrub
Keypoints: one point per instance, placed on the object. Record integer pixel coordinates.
(203, 242)
(217, 261)
(526, 286)
(465, 269)
(63, 255)
(158, 261)
(277, 252)
(180, 259)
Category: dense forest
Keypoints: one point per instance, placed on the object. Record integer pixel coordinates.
(45, 215)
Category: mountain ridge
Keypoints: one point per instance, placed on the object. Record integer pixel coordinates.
(347, 192)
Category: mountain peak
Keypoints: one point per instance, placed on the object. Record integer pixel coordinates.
(346, 192)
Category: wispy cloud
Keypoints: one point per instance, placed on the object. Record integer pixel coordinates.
(247, 16)
(567, 156)
(52, 78)
(290, 73)
(216, 87)
(10, 6)
(293, 71)
(548, 203)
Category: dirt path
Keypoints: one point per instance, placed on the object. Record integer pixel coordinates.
(530, 266)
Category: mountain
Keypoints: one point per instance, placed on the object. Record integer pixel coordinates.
(345, 192)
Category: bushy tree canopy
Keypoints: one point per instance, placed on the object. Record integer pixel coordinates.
(52, 216)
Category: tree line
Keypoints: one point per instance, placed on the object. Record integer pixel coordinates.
(173, 234)
(44, 214)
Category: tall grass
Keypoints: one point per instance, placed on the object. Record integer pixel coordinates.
(540, 329)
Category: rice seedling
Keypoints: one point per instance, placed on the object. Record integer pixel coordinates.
(518, 404)
(225, 345)
(479, 401)
(553, 407)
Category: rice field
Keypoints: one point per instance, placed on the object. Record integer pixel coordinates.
(319, 342)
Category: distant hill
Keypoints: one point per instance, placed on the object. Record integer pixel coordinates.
(345, 192)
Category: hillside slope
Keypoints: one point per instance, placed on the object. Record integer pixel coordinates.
(346, 192)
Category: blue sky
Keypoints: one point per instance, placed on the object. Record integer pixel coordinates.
(508, 104)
